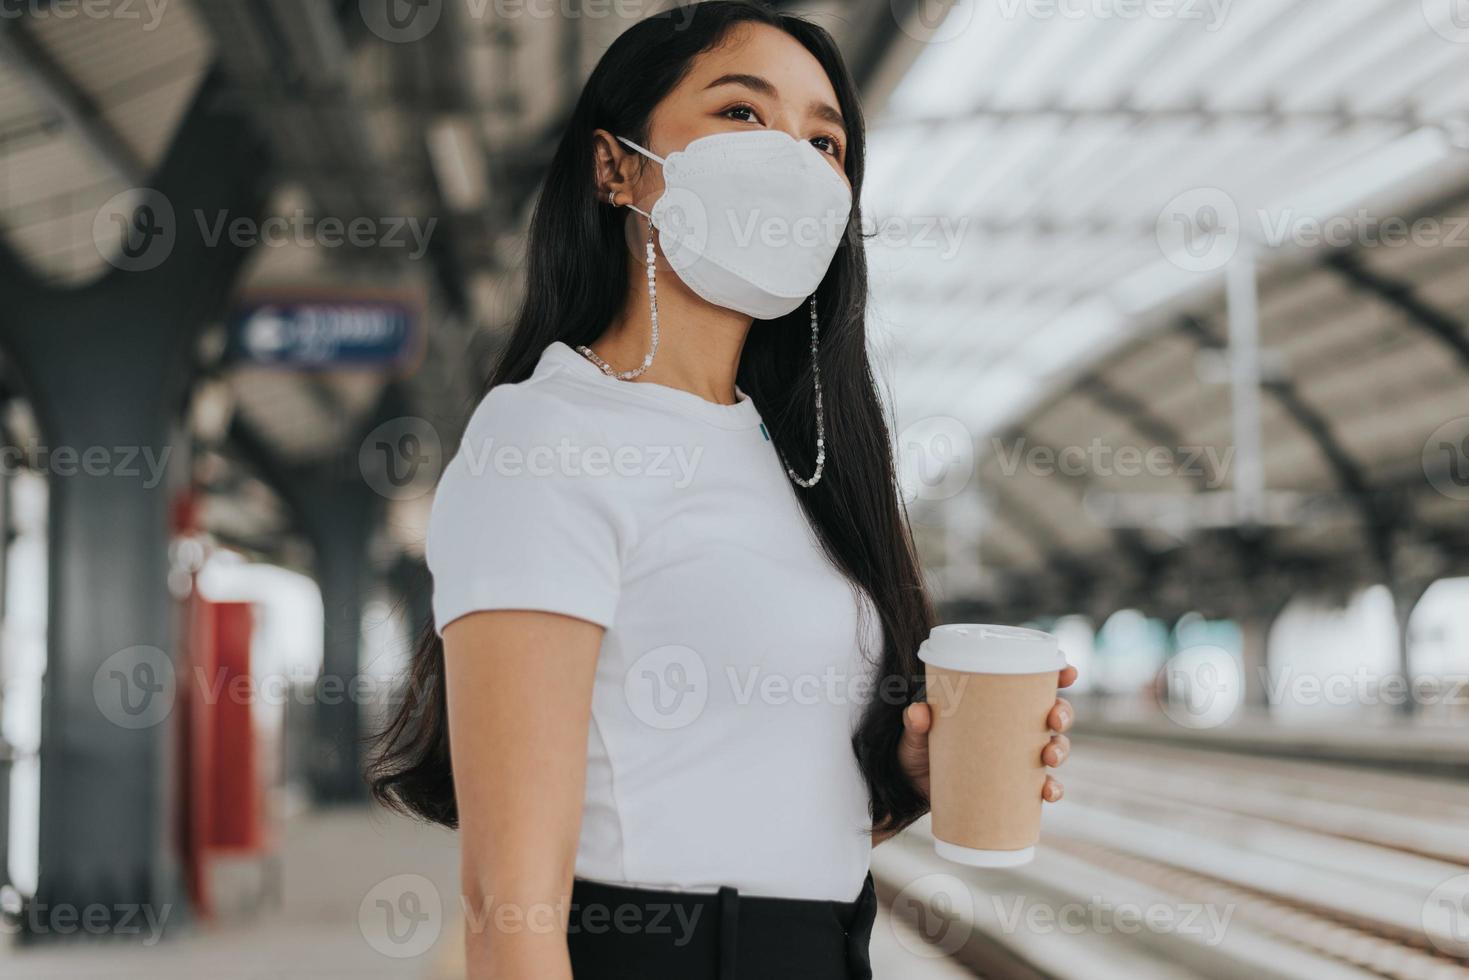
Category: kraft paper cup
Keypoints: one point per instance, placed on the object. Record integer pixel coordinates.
(990, 689)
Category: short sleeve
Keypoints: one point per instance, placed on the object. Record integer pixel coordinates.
(515, 524)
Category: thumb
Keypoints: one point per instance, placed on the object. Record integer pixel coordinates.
(917, 719)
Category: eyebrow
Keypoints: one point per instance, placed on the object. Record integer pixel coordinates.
(818, 108)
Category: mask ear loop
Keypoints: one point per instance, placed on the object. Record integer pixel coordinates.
(641, 149)
(651, 156)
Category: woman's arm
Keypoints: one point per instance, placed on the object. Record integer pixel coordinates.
(519, 689)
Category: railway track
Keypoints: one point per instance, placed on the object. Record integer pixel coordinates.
(1166, 861)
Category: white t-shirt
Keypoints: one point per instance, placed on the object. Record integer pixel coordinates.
(731, 673)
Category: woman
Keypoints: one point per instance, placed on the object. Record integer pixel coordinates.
(677, 598)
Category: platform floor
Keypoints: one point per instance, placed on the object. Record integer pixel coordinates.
(331, 862)
(341, 874)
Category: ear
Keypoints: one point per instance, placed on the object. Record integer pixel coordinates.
(616, 170)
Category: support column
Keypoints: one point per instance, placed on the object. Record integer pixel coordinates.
(1245, 378)
(414, 588)
(1254, 630)
(1406, 596)
(106, 752)
(335, 508)
(342, 515)
(107, 367)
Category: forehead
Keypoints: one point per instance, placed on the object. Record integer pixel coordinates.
(759, 49)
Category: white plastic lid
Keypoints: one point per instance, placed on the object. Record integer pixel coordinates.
(982, 649)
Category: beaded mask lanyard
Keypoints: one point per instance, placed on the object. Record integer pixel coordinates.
(607, 369)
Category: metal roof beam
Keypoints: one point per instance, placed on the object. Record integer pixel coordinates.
(51, 85)
(16, 277)
(1132, 410)
(1402, 297)
(1269, 113)
(1056, 558)
(1129, 540)
(1349, 474)
(873, 44)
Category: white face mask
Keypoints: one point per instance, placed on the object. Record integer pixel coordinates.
(750, 220)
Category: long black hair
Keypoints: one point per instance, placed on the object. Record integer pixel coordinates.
(576, 282)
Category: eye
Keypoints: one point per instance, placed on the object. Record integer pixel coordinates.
(742, 113)
(827, 144)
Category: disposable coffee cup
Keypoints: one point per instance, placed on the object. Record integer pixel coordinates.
(989, 689)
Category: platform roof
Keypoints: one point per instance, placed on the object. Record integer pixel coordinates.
(1032, 167)
(1034, 289)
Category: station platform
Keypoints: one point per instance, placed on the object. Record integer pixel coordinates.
(331, 862)
(1387, 742)
(337, 867)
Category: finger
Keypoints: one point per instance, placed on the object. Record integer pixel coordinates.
(1056, 750)
(1068, 676)
(916, 721)
(918, 718)
(1052, 791)
(1059, 720)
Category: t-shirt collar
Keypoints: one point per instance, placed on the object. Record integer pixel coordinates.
(741, 415)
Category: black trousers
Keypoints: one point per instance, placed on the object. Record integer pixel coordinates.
(618, 933)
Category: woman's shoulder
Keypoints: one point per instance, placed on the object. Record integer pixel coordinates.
(520, 520)
(551, 425)
(519, 457)
(549, 402)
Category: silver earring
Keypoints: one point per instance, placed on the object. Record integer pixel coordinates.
(612, 198)
(607, 369)
(820, 414)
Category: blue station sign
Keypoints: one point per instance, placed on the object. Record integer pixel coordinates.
(323, 332)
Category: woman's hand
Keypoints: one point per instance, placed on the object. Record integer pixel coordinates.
(918, 718)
